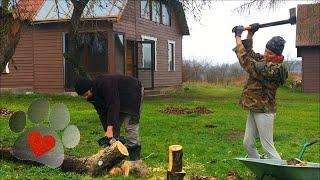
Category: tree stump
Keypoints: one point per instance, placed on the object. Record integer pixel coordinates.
(95, 165)
(175, 165)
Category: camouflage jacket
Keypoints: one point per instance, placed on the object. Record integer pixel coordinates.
(259, 93)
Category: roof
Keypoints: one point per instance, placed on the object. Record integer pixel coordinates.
(28, 8)
(308, 25)
(46, 11)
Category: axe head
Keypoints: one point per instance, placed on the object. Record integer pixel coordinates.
(293, 17)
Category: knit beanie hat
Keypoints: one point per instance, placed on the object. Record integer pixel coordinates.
(82, 85)
(276, 45)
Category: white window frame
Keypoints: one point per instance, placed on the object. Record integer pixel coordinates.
(174, 55)
(143, 38)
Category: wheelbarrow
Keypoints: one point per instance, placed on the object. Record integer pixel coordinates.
(281, 169)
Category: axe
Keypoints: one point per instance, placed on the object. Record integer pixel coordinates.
(292, 20)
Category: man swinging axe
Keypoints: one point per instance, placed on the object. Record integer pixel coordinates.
(266, 73)
(117, 100)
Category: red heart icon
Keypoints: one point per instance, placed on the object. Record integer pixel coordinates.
(40, 144)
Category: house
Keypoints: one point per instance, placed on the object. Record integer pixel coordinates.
(140, 38)
(308, 45)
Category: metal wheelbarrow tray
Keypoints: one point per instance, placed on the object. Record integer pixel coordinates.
(279, 169)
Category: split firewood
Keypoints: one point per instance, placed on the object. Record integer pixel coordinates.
(296, 162)
(95, 165)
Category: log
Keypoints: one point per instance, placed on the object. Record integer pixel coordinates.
(175, 171)
(175, 158)
(106, 159)
(95, 165)
(175, 175)
(133, 168)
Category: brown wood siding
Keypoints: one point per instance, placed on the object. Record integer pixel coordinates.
(39, 58)
(310, 69)
(135, 27)
(22, 77)
(308, 25)
(48, 60)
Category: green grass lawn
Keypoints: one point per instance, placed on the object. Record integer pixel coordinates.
(207, 151)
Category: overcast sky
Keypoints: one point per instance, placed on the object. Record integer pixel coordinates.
(211, 38)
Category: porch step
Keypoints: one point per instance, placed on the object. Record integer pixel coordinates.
(161, 91)
(151, 92)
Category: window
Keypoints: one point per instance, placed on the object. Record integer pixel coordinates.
(146, 56)
(156, 10)
(146, 52)
(119, 53)
(145, 9)
(6, 69)
(156, 13)
(165, 15)
(92, 50)
(171, 56)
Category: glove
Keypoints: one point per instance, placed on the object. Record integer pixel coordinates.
(106, 142)
(238, 30)
(254, 27)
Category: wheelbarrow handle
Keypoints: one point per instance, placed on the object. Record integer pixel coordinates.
(312, 142)
(305, 146)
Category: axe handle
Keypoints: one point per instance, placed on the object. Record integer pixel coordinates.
(276, 23)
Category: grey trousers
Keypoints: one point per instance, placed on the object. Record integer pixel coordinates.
(131, 130)
(260, 125)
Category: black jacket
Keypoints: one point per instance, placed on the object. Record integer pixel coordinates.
(114, 94)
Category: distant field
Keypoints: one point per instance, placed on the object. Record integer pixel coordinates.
(210, 141)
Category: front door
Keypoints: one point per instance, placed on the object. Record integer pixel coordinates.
(143, 63)
(93, 56)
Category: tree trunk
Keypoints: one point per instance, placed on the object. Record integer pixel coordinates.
(10, 30)
(95, 165)
(73, 56)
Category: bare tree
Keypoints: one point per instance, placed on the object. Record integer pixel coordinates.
(195, 7)
(12, 19)
(261, 4)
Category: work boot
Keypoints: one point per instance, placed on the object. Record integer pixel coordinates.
(134, 152)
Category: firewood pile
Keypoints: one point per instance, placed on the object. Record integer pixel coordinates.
(296, 162)
(184, 110)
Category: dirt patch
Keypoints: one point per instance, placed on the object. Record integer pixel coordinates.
(5, 112)
(234, 135)
(182, 110)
